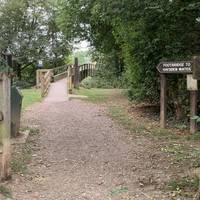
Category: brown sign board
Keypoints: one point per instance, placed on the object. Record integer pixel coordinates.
(180, 67)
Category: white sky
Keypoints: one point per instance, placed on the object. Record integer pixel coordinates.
(81, 46)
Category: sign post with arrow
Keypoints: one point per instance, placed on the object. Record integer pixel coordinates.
(182, 67)
(192, 70)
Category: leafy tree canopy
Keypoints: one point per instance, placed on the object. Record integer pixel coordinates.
(29, 31)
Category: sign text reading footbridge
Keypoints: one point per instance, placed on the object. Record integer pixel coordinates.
(181, 67)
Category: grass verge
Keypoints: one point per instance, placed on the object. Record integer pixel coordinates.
(119, 114)
(20, 160)
(96, 95)
(184, 186)
(5, 191)
(30, 96)
(183, 155)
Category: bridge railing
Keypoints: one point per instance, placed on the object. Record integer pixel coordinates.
(60, 72)
(77, 73)
(86, 70)
(74, 74)
(44, 77)
(45, 83)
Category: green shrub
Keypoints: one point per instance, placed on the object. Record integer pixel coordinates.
(88, 82)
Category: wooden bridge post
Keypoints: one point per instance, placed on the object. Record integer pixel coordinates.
(92, 70)
(77, 73)
(84, 71)
(89, 69)
(69, 77)
(5, 125)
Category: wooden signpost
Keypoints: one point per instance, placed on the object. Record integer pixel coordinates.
(192, 69)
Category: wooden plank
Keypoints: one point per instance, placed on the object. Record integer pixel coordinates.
(163, 100)
(193, 111)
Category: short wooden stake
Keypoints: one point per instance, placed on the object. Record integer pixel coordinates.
(163, 100)
(193, 111)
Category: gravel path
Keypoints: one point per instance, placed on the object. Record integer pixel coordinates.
(82, 154)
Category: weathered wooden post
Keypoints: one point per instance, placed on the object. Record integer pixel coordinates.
(84, 73)
(70, 79)
(77, 74)
(192, 85)
(193, 111)
(90, 69)
(5, 124)
(196, 67)
(163, 100)
(87, 74)
(81, 73)
(38, 78)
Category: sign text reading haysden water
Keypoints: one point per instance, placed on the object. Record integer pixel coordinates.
(182, 67)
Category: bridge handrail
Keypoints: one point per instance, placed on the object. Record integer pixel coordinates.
(60, 69)
(45, 83)
(74, 73)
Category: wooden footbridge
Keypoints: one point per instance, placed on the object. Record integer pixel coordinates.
(73, 74)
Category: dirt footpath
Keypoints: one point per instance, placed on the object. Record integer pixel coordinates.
(82, 154)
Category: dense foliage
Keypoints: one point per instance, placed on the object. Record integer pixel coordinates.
(29, 31)
(136, 35)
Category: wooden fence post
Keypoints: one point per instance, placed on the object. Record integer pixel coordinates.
(90, 72)
(163, 100)
(5, 124)
(38, 78)
(193, 111)
(84, 71)
(70, 80)
(77, 73)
